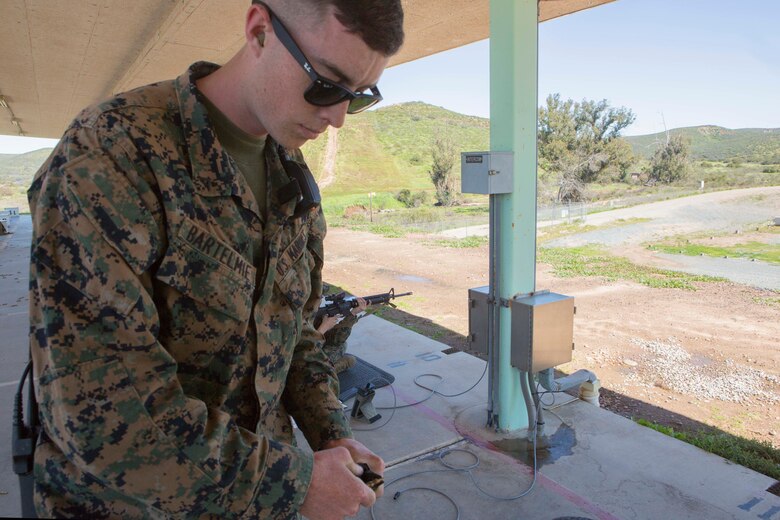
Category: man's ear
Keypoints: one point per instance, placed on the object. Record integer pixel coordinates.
(258, 22)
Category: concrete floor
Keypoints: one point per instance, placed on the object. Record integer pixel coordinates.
(14, 275)
(593, 465)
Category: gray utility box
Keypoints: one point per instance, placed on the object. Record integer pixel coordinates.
(542, 331)
(487, 173)
(478, 319)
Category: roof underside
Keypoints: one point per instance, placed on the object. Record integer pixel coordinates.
(59, 56)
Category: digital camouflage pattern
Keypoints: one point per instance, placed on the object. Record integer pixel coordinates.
(167, 357)
(336, 338)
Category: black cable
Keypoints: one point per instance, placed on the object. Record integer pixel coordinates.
(393, 408)
(18, 417)
(463, 469)
(433, 391)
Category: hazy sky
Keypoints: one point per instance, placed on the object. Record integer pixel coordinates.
(688, 62)
(694, 61)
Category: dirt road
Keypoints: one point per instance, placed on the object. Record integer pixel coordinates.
(683, 358)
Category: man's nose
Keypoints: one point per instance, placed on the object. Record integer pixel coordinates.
(335, 114)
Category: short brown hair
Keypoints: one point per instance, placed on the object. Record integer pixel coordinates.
(379, 23)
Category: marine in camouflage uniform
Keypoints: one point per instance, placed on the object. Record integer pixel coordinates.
(169, 353)
(335, 346)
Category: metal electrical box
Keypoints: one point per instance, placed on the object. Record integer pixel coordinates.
(487, 173)
(478, 319)
(542, 331)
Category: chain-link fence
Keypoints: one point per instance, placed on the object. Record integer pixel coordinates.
(562, 213)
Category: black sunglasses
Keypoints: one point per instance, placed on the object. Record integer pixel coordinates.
(322, 92)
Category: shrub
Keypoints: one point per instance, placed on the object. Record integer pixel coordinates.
(419, 198)
(404, 197)
(411, 200)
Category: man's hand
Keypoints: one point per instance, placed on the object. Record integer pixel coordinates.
(336, 490)
(362, 304)
(327, 323)
(361, 454)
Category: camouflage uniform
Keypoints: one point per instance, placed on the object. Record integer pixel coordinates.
(171, 324)
(336, 338)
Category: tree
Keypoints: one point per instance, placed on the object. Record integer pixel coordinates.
(670, 160)
(579, 141)
(443, 155)
(621, 158)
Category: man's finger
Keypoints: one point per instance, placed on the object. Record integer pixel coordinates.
(355, 468)
(368, 497)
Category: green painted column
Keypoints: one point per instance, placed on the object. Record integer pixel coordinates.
(513, 121)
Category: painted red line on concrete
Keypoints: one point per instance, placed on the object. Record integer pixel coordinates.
(579, 501)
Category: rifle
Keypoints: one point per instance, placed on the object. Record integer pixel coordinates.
(339, 304)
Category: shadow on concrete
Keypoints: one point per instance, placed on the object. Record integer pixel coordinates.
(615, 402)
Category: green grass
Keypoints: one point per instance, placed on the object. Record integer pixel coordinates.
(769, 300)
(333, 205)
(381, 229)
(561, 230)
(759, 456)
(769, 228)
(460, 243)
(593, 261)
(769, 253)
(482, 209)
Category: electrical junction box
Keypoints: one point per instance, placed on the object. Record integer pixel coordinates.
(478, 319)
(542, 330)
(487, 173)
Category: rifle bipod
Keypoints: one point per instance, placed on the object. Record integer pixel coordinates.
(363, 407)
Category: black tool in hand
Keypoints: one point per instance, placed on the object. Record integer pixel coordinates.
(371, 479)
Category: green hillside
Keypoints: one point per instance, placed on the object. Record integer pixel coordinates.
(20, 168)
(389, 148)
(16, 174)
(714, 143)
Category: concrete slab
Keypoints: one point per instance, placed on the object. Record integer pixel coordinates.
(14, 277)
(409, 356)
(592, 463)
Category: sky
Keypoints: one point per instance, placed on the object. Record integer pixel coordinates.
(674, 63)
(685, 62)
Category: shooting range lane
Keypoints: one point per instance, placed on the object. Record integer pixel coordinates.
(595, 464)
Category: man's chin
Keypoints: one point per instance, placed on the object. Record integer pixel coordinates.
(291, 141)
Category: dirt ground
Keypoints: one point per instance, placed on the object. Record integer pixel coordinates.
(687, 359)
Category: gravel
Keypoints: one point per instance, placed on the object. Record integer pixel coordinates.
(669, 365)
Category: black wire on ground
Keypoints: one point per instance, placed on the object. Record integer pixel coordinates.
(433, 391)
(467, 468)
(461, 469)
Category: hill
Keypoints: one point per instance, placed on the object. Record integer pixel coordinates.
(16, 174)
(715, 143)
(18, 169)
(388, 149)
